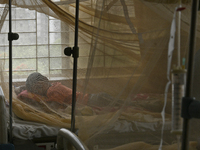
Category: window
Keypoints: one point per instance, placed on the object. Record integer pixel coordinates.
(40, 46)
(42, 40)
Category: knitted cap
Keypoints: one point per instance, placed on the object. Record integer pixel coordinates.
(32, 80)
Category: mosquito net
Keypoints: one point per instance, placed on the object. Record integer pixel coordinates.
(123, 45)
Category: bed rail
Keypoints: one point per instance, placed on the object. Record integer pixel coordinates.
(3, 119)
(66, 137)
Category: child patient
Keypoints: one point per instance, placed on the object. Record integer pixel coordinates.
(38, 85)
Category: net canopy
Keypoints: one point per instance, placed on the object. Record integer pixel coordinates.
(122, 68)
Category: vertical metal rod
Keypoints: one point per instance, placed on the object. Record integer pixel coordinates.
(76, 24)
(179, 37)
(74, 95)
(10, 70)
(75, 55)
(185, 134)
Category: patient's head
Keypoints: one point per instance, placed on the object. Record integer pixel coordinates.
(37, 83)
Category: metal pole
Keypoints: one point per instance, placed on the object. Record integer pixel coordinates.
(10, 69)
(75, 55)
(192, 37)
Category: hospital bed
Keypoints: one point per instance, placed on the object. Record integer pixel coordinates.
(29, 132)
(124, 130)
(139, 127)
(32, 135)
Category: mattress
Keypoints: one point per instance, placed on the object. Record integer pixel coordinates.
(3, 119)
(26, 130)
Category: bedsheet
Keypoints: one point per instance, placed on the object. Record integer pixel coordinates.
(26, 130)
(22, 129)
(132, 118)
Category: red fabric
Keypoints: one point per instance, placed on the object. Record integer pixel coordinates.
(25, 94)
(60, 93)
(57, 92)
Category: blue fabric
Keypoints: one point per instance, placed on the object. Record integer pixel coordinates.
(7, 147)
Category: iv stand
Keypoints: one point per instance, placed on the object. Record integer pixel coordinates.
(75, 54)
(11, 37)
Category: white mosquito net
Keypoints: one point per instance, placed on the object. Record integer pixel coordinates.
(122, 68)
